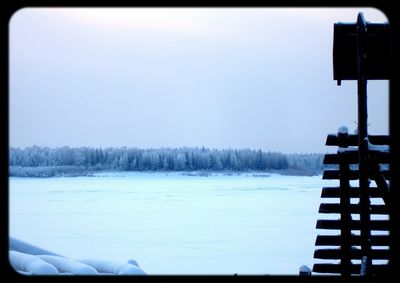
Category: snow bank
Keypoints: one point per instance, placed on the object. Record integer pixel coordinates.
(65, 265)
(28, 259)
(25, 273)
(31, 264)
(107, 266)
(20, 246)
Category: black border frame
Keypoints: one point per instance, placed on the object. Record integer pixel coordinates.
(6, 12)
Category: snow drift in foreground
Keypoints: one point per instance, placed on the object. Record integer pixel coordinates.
(28, 259)
(114, 267)
(31, 264)
(20, 246)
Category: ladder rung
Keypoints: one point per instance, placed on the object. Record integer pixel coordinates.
(333, 174)
(332, 139)
(352, 253)
(351, 157)
(355, 240)
(353, 208)
(354, 192)
(377, 225)
(354, 268)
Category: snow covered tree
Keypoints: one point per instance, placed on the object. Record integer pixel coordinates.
(165, 159)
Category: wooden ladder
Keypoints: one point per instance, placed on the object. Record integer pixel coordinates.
(341, 252)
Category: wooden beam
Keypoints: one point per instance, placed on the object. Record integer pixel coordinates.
(328, 208)
(352, 253)
(332, 140)
(377, 225)
(334, 192)
(351, 157)
(355, 268)
(355, 240)
(334, 174)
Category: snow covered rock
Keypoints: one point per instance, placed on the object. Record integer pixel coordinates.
(31, 264)
(107, 266)
(304, 270)
(65, 265)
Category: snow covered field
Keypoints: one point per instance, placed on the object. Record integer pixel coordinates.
(172, 223)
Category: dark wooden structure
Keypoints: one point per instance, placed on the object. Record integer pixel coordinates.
(361, 51)
(346, 245)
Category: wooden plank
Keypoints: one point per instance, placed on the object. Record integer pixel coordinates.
(379, 157)
(332, 139)
(376, 225)
(377, 139)
(354, 208)
(351, 157)
(352, 253)
(355, 268)
(341, 140)
(355, 240)
(334, 174)
(354, 192)
(333, 268)
(331, 158)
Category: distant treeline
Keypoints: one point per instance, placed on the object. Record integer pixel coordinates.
(46, 162)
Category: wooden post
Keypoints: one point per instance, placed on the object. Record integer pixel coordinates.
(345, 217)
(363, 143)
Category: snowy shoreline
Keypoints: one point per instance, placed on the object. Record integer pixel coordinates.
(43, 172)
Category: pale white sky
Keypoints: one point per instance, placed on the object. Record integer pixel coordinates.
(213, 77)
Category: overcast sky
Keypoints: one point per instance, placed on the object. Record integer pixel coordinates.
(219, 78)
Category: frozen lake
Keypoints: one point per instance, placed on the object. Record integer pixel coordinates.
(172, 223)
